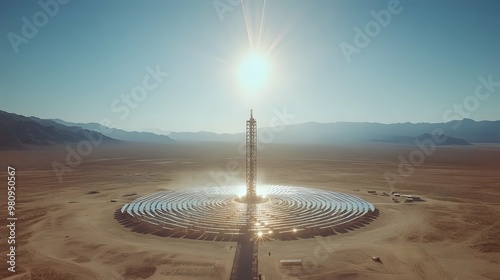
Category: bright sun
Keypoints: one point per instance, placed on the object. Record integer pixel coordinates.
(254, 71)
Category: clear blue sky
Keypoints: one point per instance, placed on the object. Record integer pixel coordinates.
(90, 53)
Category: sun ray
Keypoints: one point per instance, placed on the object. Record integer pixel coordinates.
(275, 42)
(261, 23)
(248, 25)
(223, 61)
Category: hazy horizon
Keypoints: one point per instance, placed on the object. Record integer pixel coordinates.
(242, 130)
(422, 62)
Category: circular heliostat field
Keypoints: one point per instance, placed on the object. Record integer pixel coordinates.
(287, 212)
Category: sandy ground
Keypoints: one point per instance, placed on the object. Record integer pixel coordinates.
(65, 233)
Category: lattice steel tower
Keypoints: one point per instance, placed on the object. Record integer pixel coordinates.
(251, 158)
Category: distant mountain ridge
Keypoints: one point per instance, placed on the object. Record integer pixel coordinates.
(408, 140)
(17, 131)
(132, 136)
(468, 130)
(461, 132)
(207, 136)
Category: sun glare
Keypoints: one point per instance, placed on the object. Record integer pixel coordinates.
(254, 72)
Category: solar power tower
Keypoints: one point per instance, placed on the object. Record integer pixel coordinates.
(251, 164)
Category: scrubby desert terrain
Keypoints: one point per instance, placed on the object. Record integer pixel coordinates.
(63, 232)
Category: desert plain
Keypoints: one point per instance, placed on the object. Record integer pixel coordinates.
(66, 228)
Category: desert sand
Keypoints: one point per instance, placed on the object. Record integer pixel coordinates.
(63, 232)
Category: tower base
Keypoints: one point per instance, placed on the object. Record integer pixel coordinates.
(251, 200)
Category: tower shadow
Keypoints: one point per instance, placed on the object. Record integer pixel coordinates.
(245, 264)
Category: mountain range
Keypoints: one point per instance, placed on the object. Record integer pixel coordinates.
(463, 132)
(119, 134)
(408, 140)
(17, 130)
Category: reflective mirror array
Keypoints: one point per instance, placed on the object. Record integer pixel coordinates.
(285, 213)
